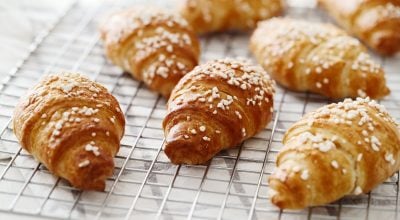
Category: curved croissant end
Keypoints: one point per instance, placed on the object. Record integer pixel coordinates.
(156, 47)
(73, 126)
(316, 57)
(345, 148)
(375, 22)
(207, 16)
(214, 107)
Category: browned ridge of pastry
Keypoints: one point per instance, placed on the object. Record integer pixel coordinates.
(224, 15)
(156, 47)
(214, 107)
(73, 126)
(340, 149)
(376, 22)
(317, 57)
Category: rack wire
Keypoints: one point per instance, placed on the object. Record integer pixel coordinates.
(233, 185)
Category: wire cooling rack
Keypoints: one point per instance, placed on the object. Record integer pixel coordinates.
(233, 185)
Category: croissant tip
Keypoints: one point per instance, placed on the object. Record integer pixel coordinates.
(283, 196)
(181, 151)
(385, 43)
(283, 202)
(277, 201)
(387, 91)
(98, 185)
(273, 195)
(94, 175)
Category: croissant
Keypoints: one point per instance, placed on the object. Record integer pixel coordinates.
(376, 22)
(223, 15)
(316, 57)
(340, 149)
(156, 47)
(214, 107)
(73, 126)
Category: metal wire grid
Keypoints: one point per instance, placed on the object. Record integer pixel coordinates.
(145, 185)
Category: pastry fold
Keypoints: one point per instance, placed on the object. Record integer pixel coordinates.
(317, 57)
(207, 16)
(155, 46)
(376, 22)
(340, 149)
(73, 126)
(215, 107)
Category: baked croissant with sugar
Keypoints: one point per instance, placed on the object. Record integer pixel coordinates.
(156, 47)
(214, 107)
(73, 126)
(207, 16)
(317, 57)
(340, 149)
(376, 22)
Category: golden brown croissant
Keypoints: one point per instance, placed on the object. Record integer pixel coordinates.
(73, 126)
(223, 15)
(214, 107)
(154, 46)
(307, 56)
(376, 22)
(340, 149)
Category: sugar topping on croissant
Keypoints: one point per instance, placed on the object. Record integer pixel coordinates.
(349, 113)
(316, 34)
(75, 114)
(342, 148)
(253, 79)
(388, 11)
(216, 106)
(155, 46)
(317, 57)
(120, 25)
(374, 21)
(226, 15)
(73, 126)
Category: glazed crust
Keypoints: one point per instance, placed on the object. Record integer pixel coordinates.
(376, 22)
(73, 126)
(207, 16)
(340, 149)
(156, 47)
(214, 107)
(317, 57)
